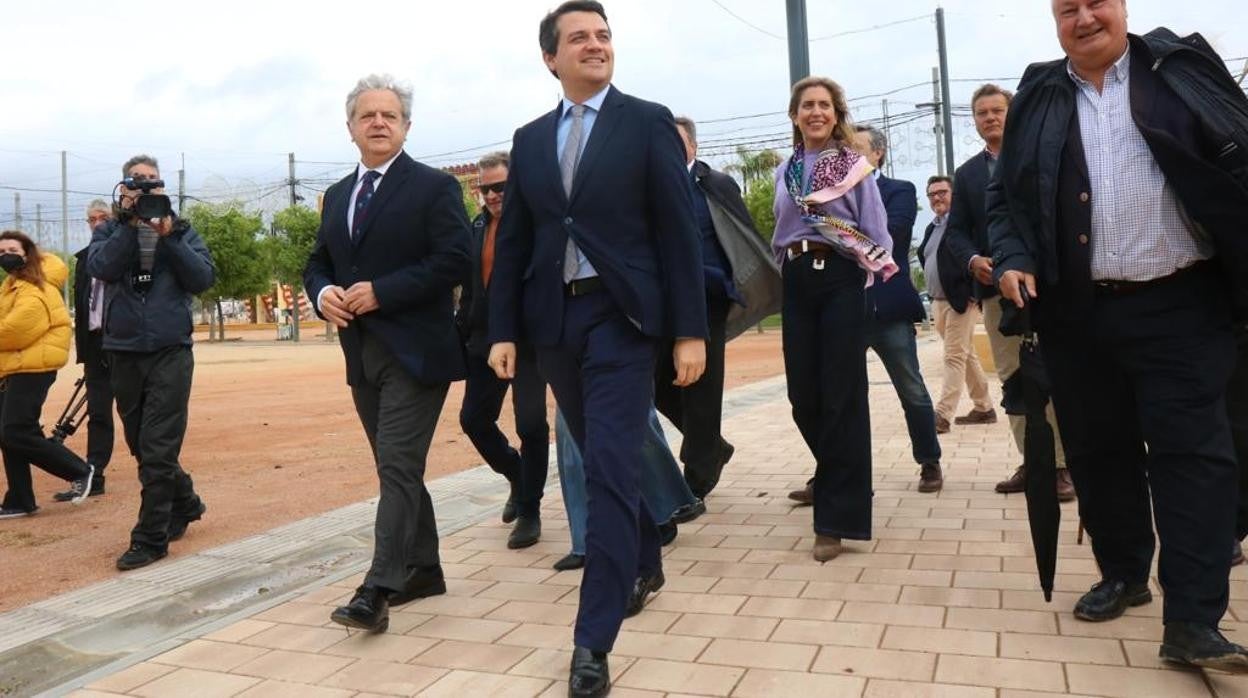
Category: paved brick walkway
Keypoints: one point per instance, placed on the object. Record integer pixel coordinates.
(943, 602)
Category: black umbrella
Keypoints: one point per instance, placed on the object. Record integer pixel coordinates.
(1027, 393)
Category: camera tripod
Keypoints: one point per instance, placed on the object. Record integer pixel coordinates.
(73, 414)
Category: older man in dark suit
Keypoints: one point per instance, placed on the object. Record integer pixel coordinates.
(966, 235)
(598, 260)
(392, 245)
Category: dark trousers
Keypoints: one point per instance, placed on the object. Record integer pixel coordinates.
(697, 410)
(99, 386)
(22, 441)
(1237, 410)
(478, 417)
(602, 374)
(825, 365)
(894, 343)
(1138, 389)
(153, 393)
(399, 415)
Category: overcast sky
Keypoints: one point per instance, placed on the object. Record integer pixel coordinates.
(234, 86)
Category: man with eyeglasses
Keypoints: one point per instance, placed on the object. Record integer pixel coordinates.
(954, 312)
(484, 391)
(89, 348)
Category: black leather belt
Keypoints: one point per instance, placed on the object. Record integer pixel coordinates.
(581, 287)
(1121, 288)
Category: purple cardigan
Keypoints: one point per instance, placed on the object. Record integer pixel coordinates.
(861, 206)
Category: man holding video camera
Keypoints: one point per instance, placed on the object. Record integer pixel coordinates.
(153, 265)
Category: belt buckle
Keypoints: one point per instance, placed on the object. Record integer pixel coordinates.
(818, 263)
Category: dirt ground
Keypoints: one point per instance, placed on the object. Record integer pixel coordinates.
(273, 438)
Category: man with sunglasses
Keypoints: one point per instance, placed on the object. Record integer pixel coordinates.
(484, 391)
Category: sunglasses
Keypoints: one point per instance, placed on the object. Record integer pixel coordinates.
(497, 187)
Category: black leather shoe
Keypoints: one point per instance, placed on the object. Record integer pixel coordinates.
(688, 512)
(667, 532)
(420, 584)
(1109, 598)
(590, 677)
(369, 610)
(179, 522)
(1237, 554)
(1198, 645)
(139, 555)
(642, 589)
(528, 531)
(509, 507)
(571, 561)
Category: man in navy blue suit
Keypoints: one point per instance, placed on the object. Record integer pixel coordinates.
(392, 245)
(893, 307)
(597, 260)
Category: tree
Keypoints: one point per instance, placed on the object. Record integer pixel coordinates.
(232, 235)
(288, 246)
(760, 201)
(470, 200)
(755, 167)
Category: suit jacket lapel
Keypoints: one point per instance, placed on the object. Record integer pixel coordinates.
(547, 144)
(606, 122)
(390, 183)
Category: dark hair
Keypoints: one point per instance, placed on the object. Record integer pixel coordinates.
(990, 90)
(879, 140)
(938, 178)
(33, 269)
(548, 30)
(844, 129)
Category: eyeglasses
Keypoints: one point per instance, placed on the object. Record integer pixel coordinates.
(938, 194)
(496, 187)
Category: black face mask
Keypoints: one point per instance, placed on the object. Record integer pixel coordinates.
(12, 262)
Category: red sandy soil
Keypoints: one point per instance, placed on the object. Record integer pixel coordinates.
(273, 438)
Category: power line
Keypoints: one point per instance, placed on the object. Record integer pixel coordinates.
(871, 28)
(747, 22)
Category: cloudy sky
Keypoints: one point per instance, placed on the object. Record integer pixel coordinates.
(234, 86)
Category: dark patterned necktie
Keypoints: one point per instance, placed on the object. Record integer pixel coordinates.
(361, 202)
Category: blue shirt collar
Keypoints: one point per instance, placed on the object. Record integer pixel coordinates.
(594, 103)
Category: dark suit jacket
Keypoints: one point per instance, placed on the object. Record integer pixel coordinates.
(83, 345)
(896, 300)
(413, 247)
(954, 280)
(967, 232)
(630, 213)
(474, 308)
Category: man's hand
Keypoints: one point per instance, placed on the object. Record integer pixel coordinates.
(333, 306)
(503, 360)
(162, 226)
(981, 269)
(689, 357)
(1013, 283)
(360, 299)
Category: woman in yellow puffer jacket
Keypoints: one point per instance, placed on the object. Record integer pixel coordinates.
(34, 343)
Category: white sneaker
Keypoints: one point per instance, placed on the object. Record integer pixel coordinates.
(82, 486)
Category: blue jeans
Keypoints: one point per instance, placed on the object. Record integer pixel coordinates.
(894, 343)
(662, 484)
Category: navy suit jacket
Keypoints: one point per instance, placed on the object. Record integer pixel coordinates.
(896, 300)
(630, 212)
(413, 247)
(967, 232)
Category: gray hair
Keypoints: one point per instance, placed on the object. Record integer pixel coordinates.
(498, 158)
(879, 141)
(139, 160)
(384, 81)
(99, 205)
(690, 128)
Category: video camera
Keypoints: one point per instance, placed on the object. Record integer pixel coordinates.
(147, 206)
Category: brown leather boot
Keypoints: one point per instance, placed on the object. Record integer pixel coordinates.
(805, 496)
(930, 478)
(1065, 486)
(942, 425)
(1014, 483)
(988, 416)
(826, 548)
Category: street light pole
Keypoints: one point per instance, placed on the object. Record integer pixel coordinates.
(799, 40)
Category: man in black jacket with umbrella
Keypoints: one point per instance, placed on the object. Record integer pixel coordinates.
(1120, 188)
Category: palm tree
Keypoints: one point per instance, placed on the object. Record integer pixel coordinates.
(754, 166)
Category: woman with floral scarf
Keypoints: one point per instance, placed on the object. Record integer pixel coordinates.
(831, 236)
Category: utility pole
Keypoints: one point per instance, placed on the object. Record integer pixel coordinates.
(182, 186)
(938, 127)
(65, 221)
(942, 46)
(17, 210)
(294, 196)
(888, 163)
(799, 40)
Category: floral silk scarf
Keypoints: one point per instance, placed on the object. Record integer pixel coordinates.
(836, 172)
